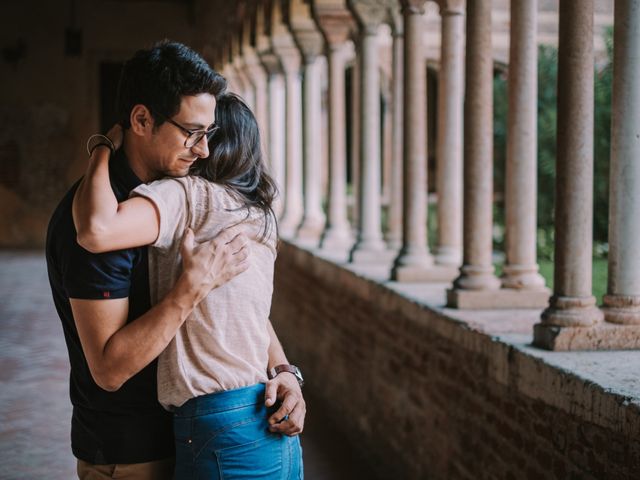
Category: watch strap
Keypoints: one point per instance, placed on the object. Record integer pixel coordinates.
(272, 373)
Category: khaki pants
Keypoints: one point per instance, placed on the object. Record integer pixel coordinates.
(158, 470)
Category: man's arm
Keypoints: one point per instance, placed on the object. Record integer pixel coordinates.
(285, 387)
(116, 350)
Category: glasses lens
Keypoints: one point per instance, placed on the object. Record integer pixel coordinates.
(212, 132)
(194, 139)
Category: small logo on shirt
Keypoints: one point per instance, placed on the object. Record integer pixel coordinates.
(106, 294)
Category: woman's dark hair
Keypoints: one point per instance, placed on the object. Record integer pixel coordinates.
(160, 76)
(235, 160)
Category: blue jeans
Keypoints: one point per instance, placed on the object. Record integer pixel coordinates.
(226, 435)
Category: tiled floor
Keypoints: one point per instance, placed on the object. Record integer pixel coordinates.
(35, 409)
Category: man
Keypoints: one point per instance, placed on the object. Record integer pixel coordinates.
(112, 334)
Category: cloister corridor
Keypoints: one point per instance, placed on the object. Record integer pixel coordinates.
(458, 272)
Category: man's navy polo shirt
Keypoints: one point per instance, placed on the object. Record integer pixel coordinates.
(129, 425)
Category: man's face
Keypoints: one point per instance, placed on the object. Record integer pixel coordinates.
(167, 155)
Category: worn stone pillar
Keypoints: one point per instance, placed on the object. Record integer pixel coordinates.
(449, 140)
(573, 304)
(311, 44)
(356, 133)
(245, 86)
(521, 269)
(622, 302)
(370, 247)
(476, 274)
(369, 243)
(258, 78)
(276, 125)
(414, 255)
(314, 218)
(290, 59)
(337, 236)
(394, 232)
(336, 24)
(277, 136)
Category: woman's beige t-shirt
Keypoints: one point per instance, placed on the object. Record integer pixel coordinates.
(224, 343)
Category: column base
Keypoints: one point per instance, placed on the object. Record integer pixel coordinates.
(288, 227)
(572, 312)
(449, 256)
(476, 277)
(335, 255)
(310, 231)
(367, 256)
(433, 273)
(497, 299)
(337, 239)
(622, 309)
(604, 336)
(523, 277)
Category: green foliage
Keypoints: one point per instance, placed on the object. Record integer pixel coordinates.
(547, 124)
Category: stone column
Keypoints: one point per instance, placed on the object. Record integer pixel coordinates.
(622, 302)
(476, 274)
(290, 59)
(449, 140)
(573, 304)
(521, 269)
(311, 44)
(314, 218)
(370, 247)
(276, 125)
(246, 88)
(394, 233)
(356, 133)
(369, 244)
(277, 136)
(258, 78)
(337, 236)
(414, 255)
(336, 24)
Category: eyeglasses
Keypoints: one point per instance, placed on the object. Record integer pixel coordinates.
(193, 136)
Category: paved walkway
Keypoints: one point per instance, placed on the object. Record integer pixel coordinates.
(35, 410)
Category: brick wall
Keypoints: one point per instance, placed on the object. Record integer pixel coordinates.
(425, 396)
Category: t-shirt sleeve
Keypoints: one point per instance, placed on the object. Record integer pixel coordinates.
(93, 276)
(171, 198)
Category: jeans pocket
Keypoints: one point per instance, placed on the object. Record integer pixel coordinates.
(260, 459)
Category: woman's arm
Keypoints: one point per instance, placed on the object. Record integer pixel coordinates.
(102, 224)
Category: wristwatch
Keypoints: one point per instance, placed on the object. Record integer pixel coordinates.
(287, 368)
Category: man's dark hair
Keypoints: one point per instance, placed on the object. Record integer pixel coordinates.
(159, 77)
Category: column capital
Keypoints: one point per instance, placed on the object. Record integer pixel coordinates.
(415, 7)
(371, 13)
(396, 21)
(282, 41)
(451, 7)
(334, 20)
(297, 15)
(271, 63)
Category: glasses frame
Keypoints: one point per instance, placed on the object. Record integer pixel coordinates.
(197, 135)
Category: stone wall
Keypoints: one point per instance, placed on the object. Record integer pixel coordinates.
(426, 396)
(49, 100)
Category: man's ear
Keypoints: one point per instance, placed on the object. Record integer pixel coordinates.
(141, 120)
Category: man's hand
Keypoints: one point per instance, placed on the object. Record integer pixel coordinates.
(289, 418)
(210, 264)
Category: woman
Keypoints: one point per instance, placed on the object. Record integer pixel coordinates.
(213, 372)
